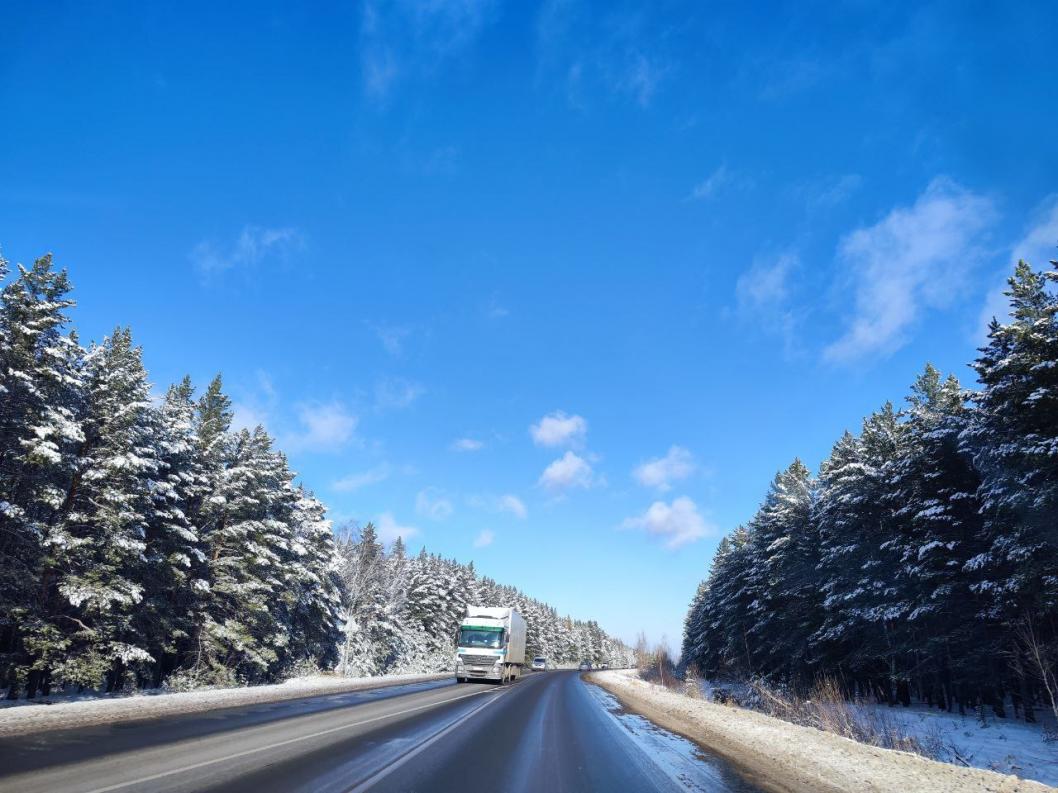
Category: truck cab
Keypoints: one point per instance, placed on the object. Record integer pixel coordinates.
(490, 645)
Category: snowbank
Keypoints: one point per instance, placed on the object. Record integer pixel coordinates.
(786, 757)
(1005, 745)
(40, 716)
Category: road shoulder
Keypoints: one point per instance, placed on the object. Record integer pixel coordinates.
(788, 758)
(31, 718)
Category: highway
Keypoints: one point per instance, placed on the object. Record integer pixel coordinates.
(547, 732)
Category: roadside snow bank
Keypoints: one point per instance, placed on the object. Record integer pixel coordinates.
(786, 757)
(41, 716)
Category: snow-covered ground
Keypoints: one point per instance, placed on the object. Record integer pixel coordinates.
(1009, 746)
(797, 758)
(21, 717)
(1005, 745)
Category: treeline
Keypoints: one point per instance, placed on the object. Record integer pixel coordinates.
(144, 541)
(922, 562)
(404, 612)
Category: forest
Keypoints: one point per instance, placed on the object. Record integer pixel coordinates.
(145, 542)
(921, 562)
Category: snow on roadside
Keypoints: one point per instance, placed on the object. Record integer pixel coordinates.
(1009, 746)
(31, 716)
(1005, 745)
(791, 757)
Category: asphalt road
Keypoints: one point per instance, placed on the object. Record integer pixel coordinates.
(548, 732)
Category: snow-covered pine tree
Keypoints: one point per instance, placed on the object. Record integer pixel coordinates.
(40, 432)
(242, 637)
(176, 573)
(312, 589)
(937, 529)
(870, 599)
(725, 642)
(1014, 440)
(98, 540)
(785, 610)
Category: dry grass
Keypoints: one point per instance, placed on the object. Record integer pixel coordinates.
(827, 709)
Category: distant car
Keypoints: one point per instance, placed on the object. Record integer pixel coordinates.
(540, 663)
(585, 666)
(604, 666)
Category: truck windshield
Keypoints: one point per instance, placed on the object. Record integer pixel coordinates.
(480, 637)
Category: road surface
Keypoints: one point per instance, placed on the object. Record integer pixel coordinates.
(548, 732)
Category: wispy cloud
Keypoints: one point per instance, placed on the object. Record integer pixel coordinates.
(511, 503)
(408, 39)
(677, 524)
(467, 445)
(253, 246)
(828, 192)
(722, 178)
(661, 472)
(495, 310)
(395, 393)
(559, 429)
(389, 529)
(508, 502)
(1037, 246)
(355, 481)
(566, 473)
(484, 539)
(621, 53)
(914, 259)
(434, 504)
(763, 294)
(391, 337)
(324, 427)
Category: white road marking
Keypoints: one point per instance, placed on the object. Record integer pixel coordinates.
(255, 750)
(385, 771)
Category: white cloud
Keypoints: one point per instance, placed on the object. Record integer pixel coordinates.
(558, 429)
(661, 472)
(508, 502)
(432, 503)
(913, 259)
(677, 523)
(642, 75)
(253, 245)
(325, 427)
(495, 310)
(395, 393)
(484, 539)
(361, 479)
(718, 180)
(827, 193)
(1037, 246)
(467, 445)
(409, 38)
(765, 285)
(511, 503)
(568, 471)
(389, 530)
(763, 295)
(391, 337)
(246, 416)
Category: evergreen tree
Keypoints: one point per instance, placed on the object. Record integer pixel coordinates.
(98, 541)
(1014, 440)
(40, 431)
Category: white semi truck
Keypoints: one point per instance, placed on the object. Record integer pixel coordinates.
(490, 645)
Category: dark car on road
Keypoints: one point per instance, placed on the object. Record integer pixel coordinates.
(585, 666)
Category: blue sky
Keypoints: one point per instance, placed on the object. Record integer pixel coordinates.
(556, 287)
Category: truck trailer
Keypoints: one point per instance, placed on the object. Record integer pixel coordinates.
(490, 645)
